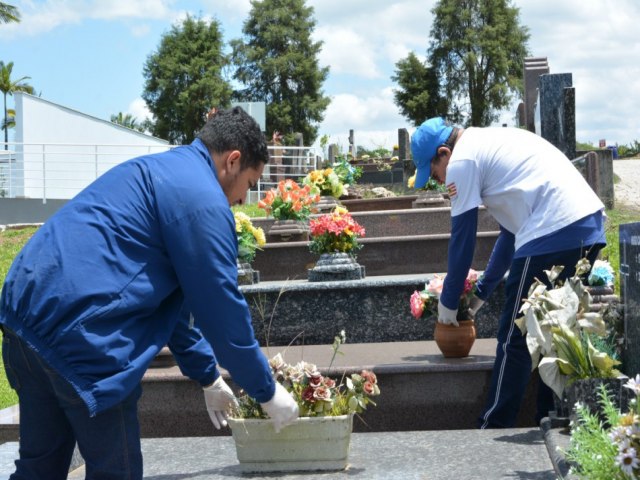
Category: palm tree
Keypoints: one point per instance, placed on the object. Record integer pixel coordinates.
(8, 13)
(10, 121)
(7, 87)
(127, 120)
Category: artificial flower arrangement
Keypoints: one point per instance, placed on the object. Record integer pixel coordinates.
(324, 182)
(347, 173)
(250, 238)
(607, 448)
(601, 274)
(432, 185)
(335, 232)
(426, 301)
(317, 395)
(289, 201)
(562, 330)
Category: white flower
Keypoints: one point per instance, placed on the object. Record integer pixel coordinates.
(617, 435)
(628, 461)
(634, 384)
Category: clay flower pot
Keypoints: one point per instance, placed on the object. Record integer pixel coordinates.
(455, 342)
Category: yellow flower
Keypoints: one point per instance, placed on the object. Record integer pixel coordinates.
(258, 234)
(411, 181)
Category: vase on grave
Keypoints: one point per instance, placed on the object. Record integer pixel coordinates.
(289, 231)
(307, 444)
(336, 266)
(246, 274)
(456, 342)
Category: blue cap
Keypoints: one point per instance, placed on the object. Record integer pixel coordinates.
(424, 145)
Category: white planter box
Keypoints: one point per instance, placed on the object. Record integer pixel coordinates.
(310, 443)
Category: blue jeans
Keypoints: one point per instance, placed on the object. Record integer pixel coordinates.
(53, 418)
(512, 367)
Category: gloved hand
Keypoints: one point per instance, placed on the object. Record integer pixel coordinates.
(474, 305)
(219, 399)
(282, 408)
(446, 315)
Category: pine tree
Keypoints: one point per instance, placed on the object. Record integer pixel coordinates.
(184, 79)
(276, 62)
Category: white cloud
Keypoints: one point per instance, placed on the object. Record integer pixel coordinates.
(139, 110)
(374, 119)
(42, 17)
(347, 52)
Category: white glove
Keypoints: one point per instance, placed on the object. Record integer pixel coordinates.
(219, 399)
(474, 305)
(282, 408)
(446, 315)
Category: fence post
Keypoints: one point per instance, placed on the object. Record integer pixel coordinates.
(44, 175)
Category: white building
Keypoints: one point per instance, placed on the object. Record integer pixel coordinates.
(58, 151)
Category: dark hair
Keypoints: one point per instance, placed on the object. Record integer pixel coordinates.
(235, 129)
(451, 141)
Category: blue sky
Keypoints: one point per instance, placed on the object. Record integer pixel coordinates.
(88, 55)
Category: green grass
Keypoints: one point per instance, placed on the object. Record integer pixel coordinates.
(11, 241)
(250, 209)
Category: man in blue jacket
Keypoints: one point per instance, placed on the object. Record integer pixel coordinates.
(114, 276)
(548, 215)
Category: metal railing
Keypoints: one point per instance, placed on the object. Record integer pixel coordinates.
(61, 170)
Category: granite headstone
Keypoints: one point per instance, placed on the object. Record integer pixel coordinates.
(557, 112)
(630, 295)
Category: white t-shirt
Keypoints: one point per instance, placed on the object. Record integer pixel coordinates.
(526, 184)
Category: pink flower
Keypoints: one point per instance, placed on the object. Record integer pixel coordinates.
(329, 382)
(435, 285)
(308, 395)
(315, 380)
(472, 276)
(369, 376)
(417, 305)
(322, 393)
(369, 388)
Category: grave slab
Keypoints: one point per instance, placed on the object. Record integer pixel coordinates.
(460, 454)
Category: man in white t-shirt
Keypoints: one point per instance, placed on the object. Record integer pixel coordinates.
(548, 215)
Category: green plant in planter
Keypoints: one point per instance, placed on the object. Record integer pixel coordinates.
(560, 326)
(609, 449)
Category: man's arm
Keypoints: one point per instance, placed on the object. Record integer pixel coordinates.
(461, 248)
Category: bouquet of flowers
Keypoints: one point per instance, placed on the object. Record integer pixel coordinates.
(250, 238)
(289, 201)
(601, 274)
(347, 173)
(317, 395)
(324, 182)
(562, 330)
(610, 448)
(335, 232)
(427, 299)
